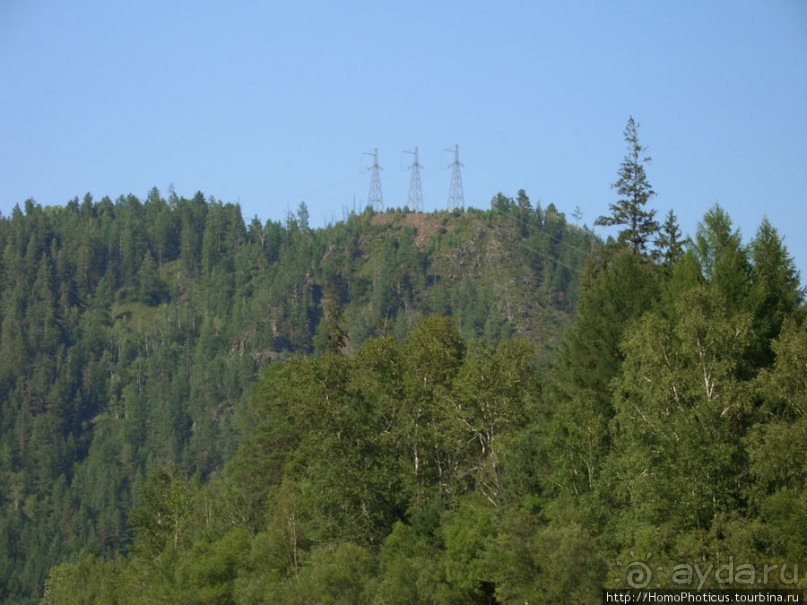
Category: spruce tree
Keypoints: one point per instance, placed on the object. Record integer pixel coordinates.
(775, 289)
(669, 241)
(634, 192)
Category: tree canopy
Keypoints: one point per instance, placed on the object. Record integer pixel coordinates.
(458, 407)
(132, 330)
(434, 468)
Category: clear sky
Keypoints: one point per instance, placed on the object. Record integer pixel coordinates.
(271, 103)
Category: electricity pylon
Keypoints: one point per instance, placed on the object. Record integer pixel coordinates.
(456, 196)
(375, 199)
(415, 199)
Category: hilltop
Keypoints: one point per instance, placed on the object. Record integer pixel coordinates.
(133, 330)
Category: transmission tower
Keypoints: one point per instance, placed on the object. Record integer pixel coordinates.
(415, 199)
(456, 197)
(375, 199)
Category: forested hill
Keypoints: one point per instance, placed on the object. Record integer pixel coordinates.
(662, 444)
(131, 331)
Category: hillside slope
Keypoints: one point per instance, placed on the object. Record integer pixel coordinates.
(131, 330)
(432, 468)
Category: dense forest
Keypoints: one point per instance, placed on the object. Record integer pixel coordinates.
(463, 407)
(133, 330)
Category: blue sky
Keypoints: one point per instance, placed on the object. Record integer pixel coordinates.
(271, 103)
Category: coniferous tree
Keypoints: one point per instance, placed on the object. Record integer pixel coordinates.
(331, 336)
(723, 259)
(635, 192)
(524, 211)
(669, 241)
(589, 359)
(776, 292)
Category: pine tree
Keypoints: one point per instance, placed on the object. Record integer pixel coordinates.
(634, 191)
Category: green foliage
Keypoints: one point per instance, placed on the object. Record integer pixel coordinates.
(131, 331)
(162, 515)
(331, 336)
(678, 408)
(617, 294)
(86, 582)
(466, 533)
(334, 576)
(196, 410)
(669, 242)
(777, 448)
(211, 568)
(723, 260)
(635, 191)
(776, 292)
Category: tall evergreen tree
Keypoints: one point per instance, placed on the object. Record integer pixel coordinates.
(723, 259)
(579, 393)
(634, 192)
(775, 290)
